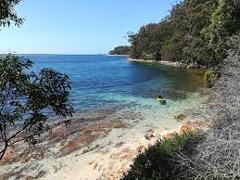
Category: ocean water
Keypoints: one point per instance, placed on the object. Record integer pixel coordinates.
(100, 82)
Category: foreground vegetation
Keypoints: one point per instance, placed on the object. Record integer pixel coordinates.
(27, 98)
(161, 160)
(8, 15)
(195, 32)
(211, 155)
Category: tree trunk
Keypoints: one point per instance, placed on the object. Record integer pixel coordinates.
(2, 153)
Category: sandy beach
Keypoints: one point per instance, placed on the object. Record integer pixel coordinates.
(111, 164)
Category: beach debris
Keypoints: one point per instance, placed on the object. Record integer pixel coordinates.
(180, 117)
(150, 134)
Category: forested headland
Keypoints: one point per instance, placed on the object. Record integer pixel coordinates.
(195, 31)
(120, 50)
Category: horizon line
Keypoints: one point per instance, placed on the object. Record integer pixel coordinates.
(73, 54)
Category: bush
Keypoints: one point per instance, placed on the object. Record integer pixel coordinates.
(217, 155)
(219, 152)
(211, 76)
(161, 160)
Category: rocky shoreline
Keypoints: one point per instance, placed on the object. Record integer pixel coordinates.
(168, 63)
(89, 144)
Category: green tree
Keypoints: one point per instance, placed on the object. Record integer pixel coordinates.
(147, 43)
(120, 50)
(8, 14)
(225, 20)
(27, 98)
(196, 31)
(225, 23)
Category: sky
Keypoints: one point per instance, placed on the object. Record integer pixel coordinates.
(79, 26)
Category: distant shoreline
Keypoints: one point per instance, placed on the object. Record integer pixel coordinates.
(117, 55)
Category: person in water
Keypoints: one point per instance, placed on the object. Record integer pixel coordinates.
(162, 101)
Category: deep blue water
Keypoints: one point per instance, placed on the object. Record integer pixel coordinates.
(99, 80)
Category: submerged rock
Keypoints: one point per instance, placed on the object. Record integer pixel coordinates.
(180, 117)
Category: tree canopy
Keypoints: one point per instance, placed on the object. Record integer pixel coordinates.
(26, 100)
(120, 50)
(8, 14)
(195, 31)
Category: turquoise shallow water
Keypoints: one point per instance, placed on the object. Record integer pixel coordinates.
(99, 81)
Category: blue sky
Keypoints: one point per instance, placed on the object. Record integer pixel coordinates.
(79, 26)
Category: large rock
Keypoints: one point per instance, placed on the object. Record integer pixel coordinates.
(150, 134)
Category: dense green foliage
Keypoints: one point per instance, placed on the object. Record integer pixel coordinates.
(159, 161)
(7, 13)
(225, 22)
(120, 50)
(194, 32)
(26, 98)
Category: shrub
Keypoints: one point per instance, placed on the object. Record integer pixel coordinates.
(219, 153)
(161, 160)
(217, 156)
(211, 76)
